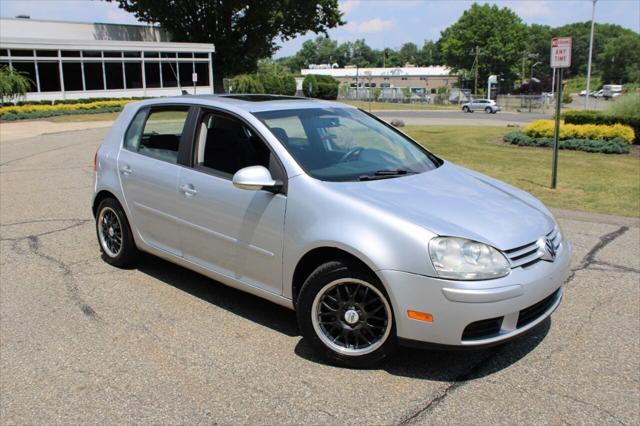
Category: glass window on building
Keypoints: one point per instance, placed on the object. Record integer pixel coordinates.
(92, 54)
(4, 52)
(29, 71)
(169, 74)
(112, 54)
(49, 74)
(47, 53)
(151, 54)
(133, 74)
(186, 69)
(201, 55)
(185, 55)
(72, 73)
(93, 76)
(70, 53)
(152, 74)
(168, 54)
(113, 72)
(131, 54)
(15, 52)
(202, 69)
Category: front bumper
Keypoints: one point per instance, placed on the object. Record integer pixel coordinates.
(499, 309)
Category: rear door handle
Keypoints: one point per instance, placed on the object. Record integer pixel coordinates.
(188, 190)
(125, 170)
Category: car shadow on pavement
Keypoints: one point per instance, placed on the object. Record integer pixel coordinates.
(246, 305)
(452, 365)
(436, 365)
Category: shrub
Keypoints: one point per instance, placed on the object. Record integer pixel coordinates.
(626, 113)
(247, 83)
(545, 128)
(320, 86)
(12, 84)
(613, 146)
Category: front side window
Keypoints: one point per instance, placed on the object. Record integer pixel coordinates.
(157, 133)
(345, 144)
(225, 145)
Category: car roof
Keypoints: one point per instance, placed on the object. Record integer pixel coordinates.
(249, 102)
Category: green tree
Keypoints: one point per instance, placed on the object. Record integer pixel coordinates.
(429, 54)
(620, 59)
(499, 34)
(409, 53)
(242, 31)
(13, 84)
(247, 83)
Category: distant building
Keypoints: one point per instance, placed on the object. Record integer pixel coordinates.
(428, 78)
(79, 60)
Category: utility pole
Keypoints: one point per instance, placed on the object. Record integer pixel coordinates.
(475, 89)
(593, 15)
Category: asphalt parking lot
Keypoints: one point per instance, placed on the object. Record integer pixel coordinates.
(83, 342)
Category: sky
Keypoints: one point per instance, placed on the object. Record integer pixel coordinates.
(382, 23)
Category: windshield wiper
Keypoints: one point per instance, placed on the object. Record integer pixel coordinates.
(384, 174)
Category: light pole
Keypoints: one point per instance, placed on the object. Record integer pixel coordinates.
(593, 16)
(531, 83)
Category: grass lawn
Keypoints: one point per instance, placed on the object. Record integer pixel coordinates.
(586, 181)
(397, 106)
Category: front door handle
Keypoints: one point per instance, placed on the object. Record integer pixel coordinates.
(126, 170)
(188, 190)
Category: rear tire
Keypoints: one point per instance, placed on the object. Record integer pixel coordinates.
(465, 109)
(114, 234)
(488, 110)
(344, 312)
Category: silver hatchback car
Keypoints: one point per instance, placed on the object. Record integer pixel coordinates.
(325, 209)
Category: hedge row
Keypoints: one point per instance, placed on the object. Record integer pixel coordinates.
(11, 116)
(320, 86)
(545, 129)
(613, 146)
(26, 109)
(73, 101)
(598, 117)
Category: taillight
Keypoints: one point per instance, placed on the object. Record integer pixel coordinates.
(95, 161)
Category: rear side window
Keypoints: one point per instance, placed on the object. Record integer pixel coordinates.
(156, 133)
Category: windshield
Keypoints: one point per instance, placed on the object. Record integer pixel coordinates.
(346, 144)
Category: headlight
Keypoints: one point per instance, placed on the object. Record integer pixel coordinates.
(461, 259)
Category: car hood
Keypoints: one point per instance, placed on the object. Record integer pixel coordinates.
(455, 201)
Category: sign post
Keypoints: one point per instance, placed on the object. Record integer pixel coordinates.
(560, 58)
(194, 79)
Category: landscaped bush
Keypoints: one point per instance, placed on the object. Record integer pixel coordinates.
(625, 110)
(38, 111)
(613, 146)
(545, 128)
(320, 86)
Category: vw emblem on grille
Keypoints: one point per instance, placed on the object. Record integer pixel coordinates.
(546, 249)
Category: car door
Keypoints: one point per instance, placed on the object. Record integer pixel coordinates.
(234, 232)
(148, 171)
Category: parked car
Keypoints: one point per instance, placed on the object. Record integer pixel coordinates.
(325, 209)
(582, 93)
(487, 105)
(597, 93)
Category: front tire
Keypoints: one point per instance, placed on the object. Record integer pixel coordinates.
(488, 110)
(465, 109)
(114, 234)
(344, 312)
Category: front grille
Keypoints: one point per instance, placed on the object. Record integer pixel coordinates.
(533, 312)
(482, 329)
(530, 254)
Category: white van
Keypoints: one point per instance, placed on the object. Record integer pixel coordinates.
(611, 90)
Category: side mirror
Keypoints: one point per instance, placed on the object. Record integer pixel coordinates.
(254, 178)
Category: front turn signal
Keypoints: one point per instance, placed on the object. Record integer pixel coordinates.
(420, 316)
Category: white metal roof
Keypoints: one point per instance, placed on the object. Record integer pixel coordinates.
(431, 71)
(39, 34)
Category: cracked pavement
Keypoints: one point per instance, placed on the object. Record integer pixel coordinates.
(83, 342)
